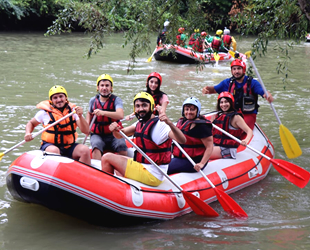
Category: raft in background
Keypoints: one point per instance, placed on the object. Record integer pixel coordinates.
(178, 54)
(308, 38)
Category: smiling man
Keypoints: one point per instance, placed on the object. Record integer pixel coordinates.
(61, 138)
(153, 136)
(245, 90)
(106, 108)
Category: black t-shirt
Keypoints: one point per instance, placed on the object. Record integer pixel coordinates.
(201, 130)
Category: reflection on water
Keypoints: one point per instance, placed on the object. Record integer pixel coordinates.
(278, 211)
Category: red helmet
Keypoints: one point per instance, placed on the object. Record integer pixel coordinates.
(203, 33)
(154, 74)
(238, 62)
(227, 95)
(181, 30)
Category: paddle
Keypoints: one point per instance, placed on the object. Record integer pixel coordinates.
(91, 124)
(228, 204)
(295, 174)
(198, 205)
(289, 143)
(36, 134)
(216, 57)
(150, 58)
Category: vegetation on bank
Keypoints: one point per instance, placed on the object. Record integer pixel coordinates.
(267, 19)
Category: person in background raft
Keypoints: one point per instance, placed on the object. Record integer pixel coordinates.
(215, 42)
(228, 41)
(181, 38)
(161, 39)
(61, 138)
(231, 121)
(245, 90)
(199, 139)
(193, 38)
(153, 83)
(153, 136)
(108, 108)
(199, 44)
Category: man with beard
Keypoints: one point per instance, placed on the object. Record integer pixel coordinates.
(153, 135)
(245, 90)
(106, 108)
(60, 139)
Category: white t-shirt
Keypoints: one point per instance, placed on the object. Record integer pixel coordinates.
(159, 134)
(43, 117)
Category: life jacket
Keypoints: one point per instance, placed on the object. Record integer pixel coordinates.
(245, 99)
(219, 139)
(216, 43)
(192, 39)
(227, 41)
(102, 123)
(62, 134)
(157, 98)
(180, 42)
(160, 154)
(198, 45)
(194, 146)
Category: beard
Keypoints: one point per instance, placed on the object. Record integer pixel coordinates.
(143, 116)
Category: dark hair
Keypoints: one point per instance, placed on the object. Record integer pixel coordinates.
(231, 108)
(148, 90)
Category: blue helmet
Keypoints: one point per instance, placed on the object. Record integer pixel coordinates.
(193, 101)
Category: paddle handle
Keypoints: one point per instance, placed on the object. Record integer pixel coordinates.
(91, 124)
(150, 160)
(193, 163)
(264, 88)
(40, 132)
(238, 140)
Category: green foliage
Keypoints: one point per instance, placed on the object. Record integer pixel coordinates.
(273, 20)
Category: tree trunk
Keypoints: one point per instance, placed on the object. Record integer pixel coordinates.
(305, 7)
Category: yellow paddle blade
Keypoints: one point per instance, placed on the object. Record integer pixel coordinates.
(216, 57)
(150, 59)
(248, 53)
(232, 53)
(289, 143)
(1, 155)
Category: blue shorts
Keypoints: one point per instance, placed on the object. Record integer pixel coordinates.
(107, 142)
(179, 164)
(63, 151)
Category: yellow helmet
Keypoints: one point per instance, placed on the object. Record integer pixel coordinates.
(57, 89)
(105, 77)
(219, 32)
(146, 96)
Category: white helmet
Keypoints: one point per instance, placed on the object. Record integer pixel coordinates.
(226, 31)
(193, 101)
(166, 23)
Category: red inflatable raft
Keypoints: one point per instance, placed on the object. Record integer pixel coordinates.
(86, 192)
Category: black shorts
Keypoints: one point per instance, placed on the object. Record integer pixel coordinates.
(63, 151)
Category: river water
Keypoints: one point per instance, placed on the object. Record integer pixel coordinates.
(279, 217)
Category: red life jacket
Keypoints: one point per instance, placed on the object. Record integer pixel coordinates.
(198, 45)
(220, 139)
(157, 98)
(227, 41)
(64, 133)
(192, 39)
(102, 123)
(216, 43)
(194, 146)
(245, 99)
(179, 41)
(160, 154)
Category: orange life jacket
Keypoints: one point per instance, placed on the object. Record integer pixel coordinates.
(64, 133)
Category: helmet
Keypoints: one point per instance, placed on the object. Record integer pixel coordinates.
(146, 96)
(166, 23)
(238, 62)
(226, 94)
(105, 77)
(193, 101)
(196, 30)
(56, 90)
(154, 74)
(203, 33)
(219, 32)
(226, 31)
(181, 30)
